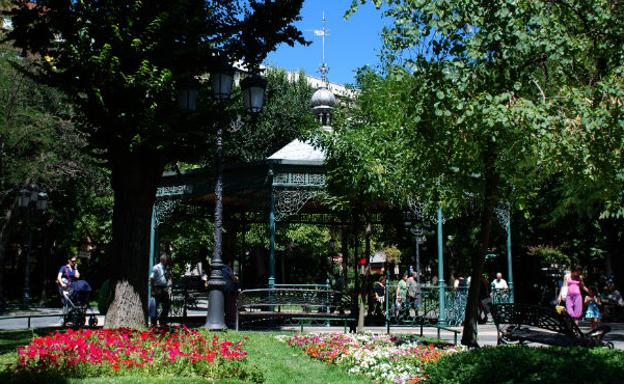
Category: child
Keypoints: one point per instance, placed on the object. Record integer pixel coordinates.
(593, 303)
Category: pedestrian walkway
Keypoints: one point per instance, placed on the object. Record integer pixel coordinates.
(487, 333)
(39, 318)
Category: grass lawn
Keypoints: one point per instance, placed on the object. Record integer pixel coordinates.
(278, 362)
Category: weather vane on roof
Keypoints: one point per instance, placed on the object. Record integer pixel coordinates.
(324, 68)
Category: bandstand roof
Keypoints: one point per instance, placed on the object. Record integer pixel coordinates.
(298, 150)
(296, 171)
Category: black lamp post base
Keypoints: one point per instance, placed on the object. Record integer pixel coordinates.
(215, 320)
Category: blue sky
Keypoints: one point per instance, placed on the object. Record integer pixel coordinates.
(351, 43)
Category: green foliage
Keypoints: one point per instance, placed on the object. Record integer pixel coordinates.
(190, 240)
(285, 117)
(550, 255)
(529, 365)
(488, 100)
(41, 145)
(393, 254)
(121, 62)
(39, 142)
(366, 154)
(537, 85)
(304, 248)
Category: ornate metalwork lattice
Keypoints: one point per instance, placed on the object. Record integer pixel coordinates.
(317, 179)
(434, 218)
(173, 190)
(418, 208)
(163, 208)
(299, 179)
(420, 211)
(280, 178)
(288, 202)
(503, 214)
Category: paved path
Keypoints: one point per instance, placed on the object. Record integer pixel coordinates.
(487, 333)
(54, 319)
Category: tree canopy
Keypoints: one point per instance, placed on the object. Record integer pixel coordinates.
(503, 93)
(121, 63)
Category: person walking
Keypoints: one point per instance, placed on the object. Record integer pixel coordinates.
(412, 292)
(230, 293)
(401, 296)
(379, 291)
(161, 283)
(574, 299)
(593, 303)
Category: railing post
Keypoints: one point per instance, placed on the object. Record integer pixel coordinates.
(327, 288)
(509, 264)
(387, 299)
(441, 283)
(152, 254)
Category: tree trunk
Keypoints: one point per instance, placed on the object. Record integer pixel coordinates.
(614, 264)
(135, 178)
(344, 250)
(4, 238)
(363, 295)
(469, 335)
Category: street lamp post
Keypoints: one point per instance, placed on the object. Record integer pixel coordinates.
(30, 199)
(253, 91)
(419, 238)
(503, 213)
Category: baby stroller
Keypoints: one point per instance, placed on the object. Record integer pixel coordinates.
(76, 305)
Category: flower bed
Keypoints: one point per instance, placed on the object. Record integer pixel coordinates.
(385, 359)
(115, 352)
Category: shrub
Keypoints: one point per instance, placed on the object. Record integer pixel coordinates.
(529, 365)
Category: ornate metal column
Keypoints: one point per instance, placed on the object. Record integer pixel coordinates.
(216, 283)
(291, 187)
(271, 232)
(167, 199)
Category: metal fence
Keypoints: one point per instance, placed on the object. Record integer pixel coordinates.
(425, 307)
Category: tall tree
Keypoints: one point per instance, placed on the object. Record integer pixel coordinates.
(120, 61)
(491, 86)
(38, 145)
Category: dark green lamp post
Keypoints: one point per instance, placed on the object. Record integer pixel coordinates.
(253, 90)
(31, 200)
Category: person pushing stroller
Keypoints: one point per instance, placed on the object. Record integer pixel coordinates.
(68, 274)
(74, 295)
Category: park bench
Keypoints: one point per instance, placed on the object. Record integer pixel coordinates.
(522, 323)
(302, 305)
(345, 320)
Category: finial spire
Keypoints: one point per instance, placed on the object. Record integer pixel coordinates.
(324, 68)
